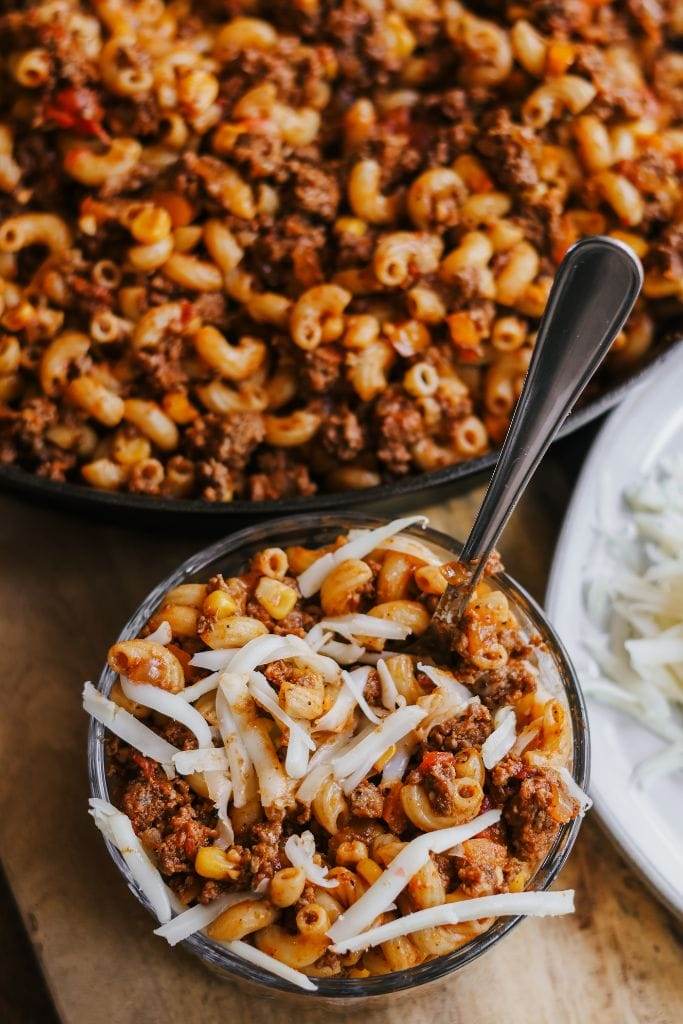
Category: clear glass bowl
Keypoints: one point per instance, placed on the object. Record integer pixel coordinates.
(228, 556)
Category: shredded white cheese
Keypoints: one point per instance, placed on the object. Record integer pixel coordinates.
(163, 634)
(311, 784)
(455, 691)
(197, 918)
(274, 786)
(355, 682)
(301, 850)
(298, 754)
(269, 963)
(127, 727)
(338, 715)
(395, 768)
(574, 790)
(355, 765)
(402, 868)
(214, 661)
(356, 624)
(197, 690)
(634, 601)
(171, 705)
(117, 828)
(343, 654)
(502, 739)
(391, 698)
(241, 768)
(205, 759)
(263, 694)
(311, 580)
(508, 904)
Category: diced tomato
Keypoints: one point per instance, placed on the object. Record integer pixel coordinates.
(77, 108)
(434, 757)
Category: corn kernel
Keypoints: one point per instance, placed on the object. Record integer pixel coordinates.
(276, 597)
(559, 58)
(369, 870)
(386, 757)
(211, 862)
(179, 209)
(463, 330)
(177, 405)
(151, 225)
(218, 604)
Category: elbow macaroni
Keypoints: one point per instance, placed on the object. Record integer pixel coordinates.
(283, 241)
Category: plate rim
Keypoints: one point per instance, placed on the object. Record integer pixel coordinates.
(84, 498)
(650, 874)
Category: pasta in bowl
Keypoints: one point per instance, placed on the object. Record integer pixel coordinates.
(305, 803)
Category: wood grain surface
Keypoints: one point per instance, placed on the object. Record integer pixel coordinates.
(66, 587)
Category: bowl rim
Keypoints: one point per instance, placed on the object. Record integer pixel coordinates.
(84, 497)
(348, 990)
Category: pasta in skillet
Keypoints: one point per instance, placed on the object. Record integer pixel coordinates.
(252, 250)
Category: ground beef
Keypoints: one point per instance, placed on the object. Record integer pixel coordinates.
(292, 623)
(229, 439)
(480, 869)
(372, 691)
(506, 685)
(398, 425)
(216, 481)
(147, 801)
(618, 94)
(266, 855)
(354, 248)
(211, 308)
(366, 801)
(666, 255)
(649, 15)
(668, 79)
(177, 851)
(261, 155)
(316, 191)
(509, 150)
(440, 779)
(467, 730)
(288, 256)
(161, 367)
(280, 477)
(560, 16)
(392, 812)
(342, 435)
(280, 672)
(57, 467)
(534, 804)
(321, 369)
(531, 825)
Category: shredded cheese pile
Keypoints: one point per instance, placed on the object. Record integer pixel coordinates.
(635, 597)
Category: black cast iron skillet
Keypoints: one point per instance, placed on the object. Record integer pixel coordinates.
(222, 517)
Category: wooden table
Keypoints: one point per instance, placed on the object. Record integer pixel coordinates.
(66, 587)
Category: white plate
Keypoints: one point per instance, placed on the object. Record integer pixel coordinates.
(647, 823)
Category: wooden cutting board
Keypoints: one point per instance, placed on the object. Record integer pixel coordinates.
(66, 587)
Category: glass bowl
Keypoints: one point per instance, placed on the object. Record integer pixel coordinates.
(558, 676)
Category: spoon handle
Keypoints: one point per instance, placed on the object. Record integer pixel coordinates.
(594, 291)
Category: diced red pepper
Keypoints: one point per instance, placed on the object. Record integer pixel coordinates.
(77, 108)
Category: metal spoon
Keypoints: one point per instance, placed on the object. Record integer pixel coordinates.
(594, 290)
